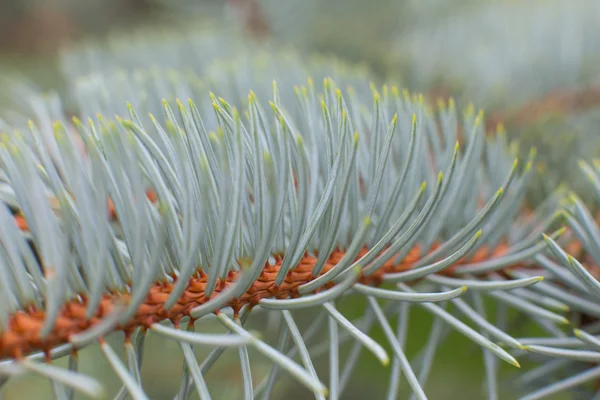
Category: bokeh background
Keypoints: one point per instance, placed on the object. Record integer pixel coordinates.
(533, 65)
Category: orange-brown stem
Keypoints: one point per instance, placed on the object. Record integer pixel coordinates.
(23, 336)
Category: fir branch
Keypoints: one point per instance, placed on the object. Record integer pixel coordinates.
(164, 220)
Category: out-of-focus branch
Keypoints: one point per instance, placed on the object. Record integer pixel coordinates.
(560, 102)
(38, 29)
(554, 103)
(254, 19)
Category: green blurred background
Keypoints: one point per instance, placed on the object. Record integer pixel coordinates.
(533, 65)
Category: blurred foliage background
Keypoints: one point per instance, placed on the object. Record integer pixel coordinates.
(534, 65)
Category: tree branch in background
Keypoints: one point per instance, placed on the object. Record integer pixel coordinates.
(553, 103)
(252, 16)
